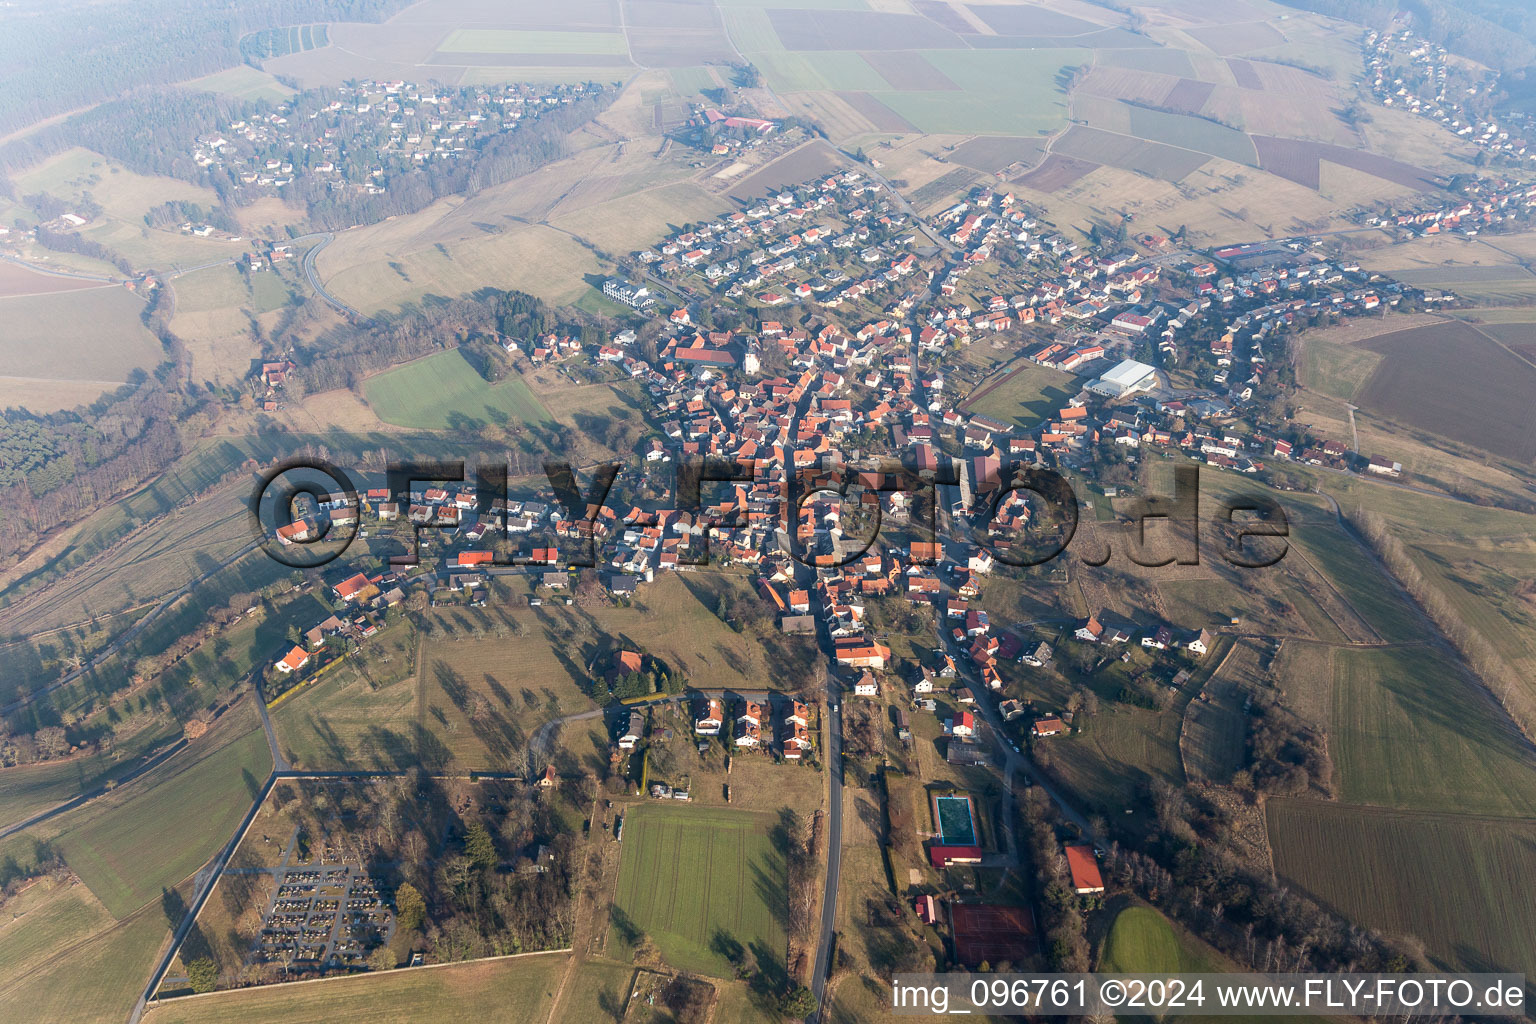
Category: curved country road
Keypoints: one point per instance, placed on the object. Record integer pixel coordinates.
(326, 238)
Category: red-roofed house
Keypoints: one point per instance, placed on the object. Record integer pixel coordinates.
(1085, 870)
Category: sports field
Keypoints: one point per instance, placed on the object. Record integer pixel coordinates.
(510, 991)
(1027, 395)
(689, 875)
(444, 392)
(1461, 884)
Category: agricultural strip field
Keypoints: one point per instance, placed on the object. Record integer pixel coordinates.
(908, 71)
(1056, 173)
(1149, 158)
(495, 40)
(444, 392)
(990, 155)
(802, 164)
(514, 990)
(876, 112)
(169, 823)
(1454, 881)
(1299, 161)
(1451, 380)
(87, 976)
(16, 281)
(1409, 730)
(1194, 133)
(858, 30)
(1228, 39)
(690, 874)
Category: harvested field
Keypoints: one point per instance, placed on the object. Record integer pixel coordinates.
(1299, 161)
(1448, 879)
(943, 15)
(1150, 158)
(1244, 73)
(877, 113)
(17, 281)
(997, 153)
(909, 71)
(1028, 20)
(1058, 172)
(809, 161)
(518, 990)
(680, 48)
(1451, 380)
(1188, 95)
(1227, 39)
(668, 14)
(859, 30)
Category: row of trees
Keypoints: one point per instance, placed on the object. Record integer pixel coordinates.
(1480, 654)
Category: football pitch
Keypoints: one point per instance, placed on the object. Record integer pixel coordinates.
(691, 876)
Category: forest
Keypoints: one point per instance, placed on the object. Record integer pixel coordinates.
(1498, 33)
(63, 56)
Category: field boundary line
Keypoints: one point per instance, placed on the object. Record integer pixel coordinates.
(366, 974)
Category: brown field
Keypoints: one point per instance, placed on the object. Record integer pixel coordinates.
(991, 154)
(1188, 95)
(876, 112)
(1451, 380)
(1228, 39)
(1058, 172)
(1244, 73)
(1300, 162)
(809, 161)
(858, 30)
(16, 280)
(909, 71)
(1450, 880)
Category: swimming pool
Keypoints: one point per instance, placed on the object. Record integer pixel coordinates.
(956, 826)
